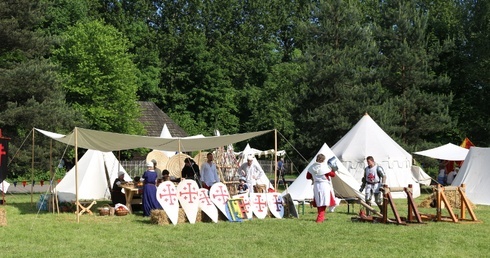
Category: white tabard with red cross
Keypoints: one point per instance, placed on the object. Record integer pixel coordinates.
(258, 201)
(274, 202)
(189, 198)
(167, 197)
(246, 201)
(219, 195)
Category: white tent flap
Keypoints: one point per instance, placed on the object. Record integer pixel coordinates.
(474, 174)
(445, 152)
(344, 184)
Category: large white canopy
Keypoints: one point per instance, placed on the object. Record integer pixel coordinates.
(445, 152)
(106, 141)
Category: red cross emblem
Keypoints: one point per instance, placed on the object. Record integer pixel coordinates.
(189, 196)
(168, 195)
(221, 194)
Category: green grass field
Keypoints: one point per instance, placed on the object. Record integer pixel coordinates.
(29, 233)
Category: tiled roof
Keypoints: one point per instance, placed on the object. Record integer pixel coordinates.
(153, 119)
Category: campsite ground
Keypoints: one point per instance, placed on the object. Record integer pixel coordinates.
(30, 233)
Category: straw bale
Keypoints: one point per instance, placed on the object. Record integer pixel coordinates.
(159, 157)
(201, 158)
(3, 217)
(176, 163)
(159, 217)
(453, 197)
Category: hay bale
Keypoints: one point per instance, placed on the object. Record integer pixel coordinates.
(160, 217)
(3, 217)
(159, 157)
(453, 197)
(175, 164)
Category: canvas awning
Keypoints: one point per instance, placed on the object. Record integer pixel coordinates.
(107, 141)
(445, 152)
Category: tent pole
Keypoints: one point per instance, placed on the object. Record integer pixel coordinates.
(275, 159)
(51, 172)
(32, 167)
(76, 174)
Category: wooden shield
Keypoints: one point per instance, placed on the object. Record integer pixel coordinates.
(168, 198)
(189, 198)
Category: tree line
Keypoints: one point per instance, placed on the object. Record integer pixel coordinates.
(310, 69)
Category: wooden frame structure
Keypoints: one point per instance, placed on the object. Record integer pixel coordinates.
(413, 213)
(465, 205)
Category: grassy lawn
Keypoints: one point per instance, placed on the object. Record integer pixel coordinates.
(32, 234)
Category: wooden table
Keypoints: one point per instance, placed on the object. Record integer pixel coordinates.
(129, 191)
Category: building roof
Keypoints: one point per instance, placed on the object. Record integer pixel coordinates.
(153, 119)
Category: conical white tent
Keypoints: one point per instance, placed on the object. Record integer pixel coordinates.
(344, 184)
(166, 134)
(92, 180)
(474, 174)
(365, 139)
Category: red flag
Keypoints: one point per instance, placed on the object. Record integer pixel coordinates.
(466, 143)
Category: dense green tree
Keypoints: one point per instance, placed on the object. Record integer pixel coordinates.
(99, 76)
(31, 92)
(471, 82)
(134, 19)
(416, 92)
(339, 72)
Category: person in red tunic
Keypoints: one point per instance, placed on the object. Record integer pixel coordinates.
(321, 173)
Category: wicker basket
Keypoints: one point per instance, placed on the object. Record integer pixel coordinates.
(105, 210)
(121, 212)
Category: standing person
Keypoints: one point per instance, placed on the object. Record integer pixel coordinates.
(190, 170)
(452, 175)
(442, 177)
(374, 178)
(322, 187)
(280, 171)
(150, 201)
(252, 172)
(209, 172)
(117, 195)
(157, 170)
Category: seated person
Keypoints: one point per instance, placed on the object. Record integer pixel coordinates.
(117, 196)
(165, 175)
(242, 187)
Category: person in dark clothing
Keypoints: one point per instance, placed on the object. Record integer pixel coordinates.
(190, 170)
(117, 195)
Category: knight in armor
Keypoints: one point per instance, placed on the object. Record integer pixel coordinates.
(373, 180)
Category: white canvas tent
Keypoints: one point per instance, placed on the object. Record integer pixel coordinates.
(365, 139)
(166, 134)
(92, 180)
(445, 152)
(344, 184)
(474, 174)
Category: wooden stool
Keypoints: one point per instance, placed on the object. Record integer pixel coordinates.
(85, 207)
